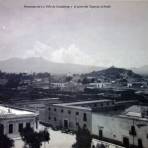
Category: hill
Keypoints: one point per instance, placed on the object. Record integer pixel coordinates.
(114, 73)
(41, 65)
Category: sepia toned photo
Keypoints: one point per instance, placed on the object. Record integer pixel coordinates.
(73, 74)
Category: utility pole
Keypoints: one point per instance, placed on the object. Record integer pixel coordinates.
(133, 134)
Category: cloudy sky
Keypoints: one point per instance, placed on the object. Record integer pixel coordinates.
(92, 36)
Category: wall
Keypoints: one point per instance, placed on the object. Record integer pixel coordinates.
(15, 122)
(71, 117)
(116, 128)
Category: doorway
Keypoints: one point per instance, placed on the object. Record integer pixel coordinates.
(140, 145)
(100, 133)
(126, 142)
(1, 129)
(66, 124)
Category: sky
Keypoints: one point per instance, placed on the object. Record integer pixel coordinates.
(117, 35)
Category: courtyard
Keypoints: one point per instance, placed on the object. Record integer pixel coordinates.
(61, 140)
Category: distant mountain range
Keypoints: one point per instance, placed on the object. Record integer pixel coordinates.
(141, 70)
(41, 65)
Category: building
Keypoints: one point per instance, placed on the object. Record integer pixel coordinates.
(127, 128)
(67, 86)
(94, 85)
(39, 105)
(13, 120)
(57, 86)
(108, 120)
(3, 81)
(42, 83)
(71, 115)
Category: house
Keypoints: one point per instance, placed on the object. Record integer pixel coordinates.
(71, 115)
(39, 105)
(3, 81)
(127, 128)
(117, 122)
(13, 120)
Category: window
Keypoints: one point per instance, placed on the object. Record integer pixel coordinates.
(77, 124)
(77, 113)
(84, 125)
(28, 125)
(49, 118)
(55, 119)
(132, 131)
(84, 117)
(147, 113)
(69, 112)
(10, 128)
(114, 135)
(95, 105)
(37, 124)
(20, 127)
(55, 109)
(49, 108)
(62, 111)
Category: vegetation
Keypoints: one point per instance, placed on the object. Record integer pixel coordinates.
(83, 138)
(34, 139)
(5, 141)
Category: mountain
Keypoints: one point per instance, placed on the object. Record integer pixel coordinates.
(41, 65)
(141, 70)
(114, 73)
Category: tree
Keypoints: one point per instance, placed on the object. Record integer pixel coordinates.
(13, 80)
(44, 135)
(85, 81)
(34, 139)
(68, 78)
(5, 141)
(83, 138)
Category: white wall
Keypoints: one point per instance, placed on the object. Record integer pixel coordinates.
(15, 122)
(116, 128)
(72, 117)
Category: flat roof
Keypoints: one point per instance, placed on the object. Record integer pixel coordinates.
(75, 105)
(8, 111)
(84, 102)
(134, 117)
(119, 114)
(133, 112)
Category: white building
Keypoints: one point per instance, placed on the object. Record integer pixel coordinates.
(72, 115)
(127, 128)
(106, 119)
(39, 105)
(13, 120)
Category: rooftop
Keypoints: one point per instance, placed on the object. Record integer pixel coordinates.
(79, 105)
(76, 107)
(83, 102)
(12, 112)
(136, 111)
